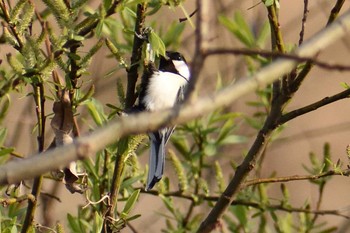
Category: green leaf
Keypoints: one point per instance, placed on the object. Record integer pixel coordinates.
(3, 134)
(210, 149)
(241, 214)
(130, 203)
(187, 15)
(345, 85)
(128, 182)
(269, 2)
(96, 111)
(157, 44)
(133, 217)
(174, 31)
(98, 223)
(168, 203)
(14, 229)
(6, 151)
(99, 28)
(263, 35)
(233, 139)
(73, 223)
(239, 28)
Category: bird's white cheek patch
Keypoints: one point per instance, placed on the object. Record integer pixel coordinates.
(182, 68)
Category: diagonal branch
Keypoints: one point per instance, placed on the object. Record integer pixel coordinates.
(314, 106)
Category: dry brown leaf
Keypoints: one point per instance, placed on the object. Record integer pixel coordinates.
(62, 125)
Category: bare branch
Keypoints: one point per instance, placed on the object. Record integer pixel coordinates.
(296, 177)
(274, 54)
(256, 205)
(303, 22)
(312, 107)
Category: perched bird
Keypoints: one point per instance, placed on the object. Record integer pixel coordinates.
(160, 89)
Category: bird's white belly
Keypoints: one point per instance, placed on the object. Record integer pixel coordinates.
(163, 90)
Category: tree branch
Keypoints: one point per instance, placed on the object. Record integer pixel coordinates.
(131, 95)
(296, 177)
(280, 207)
(312, 107)
(275, 54)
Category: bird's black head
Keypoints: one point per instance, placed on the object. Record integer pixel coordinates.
(174, 63)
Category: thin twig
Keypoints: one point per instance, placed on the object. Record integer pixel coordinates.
(295, 178)
(303, 21)
(274, 54)
(191, 15)
(201, 44)
(335, 11)
(39, 97)
(256, 205)
(312, 107)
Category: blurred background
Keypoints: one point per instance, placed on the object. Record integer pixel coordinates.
(285, 156)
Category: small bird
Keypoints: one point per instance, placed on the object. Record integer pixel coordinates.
(162, 88)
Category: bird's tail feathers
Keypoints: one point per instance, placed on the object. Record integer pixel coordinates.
(156, 161)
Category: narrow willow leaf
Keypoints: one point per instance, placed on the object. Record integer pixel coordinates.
(187, 15)
(239, 28)
(96, 111)
(73, 223)
(87, 96)
(133, 217)
(173, 34)
(128, 182)
(98, 223)
(130, 203)
(99, 28)
(263, 35)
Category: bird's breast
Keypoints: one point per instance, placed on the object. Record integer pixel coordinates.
(162, 91)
